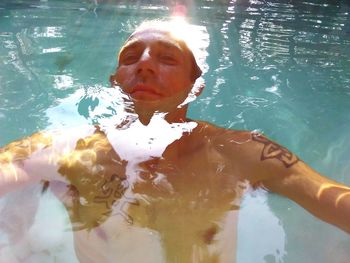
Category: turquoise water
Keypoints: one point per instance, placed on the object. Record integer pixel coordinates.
(282, 67)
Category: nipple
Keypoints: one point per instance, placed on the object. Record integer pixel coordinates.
(209, 234)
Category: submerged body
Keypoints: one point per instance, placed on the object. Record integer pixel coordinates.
(177, 197)
(159, 181)
(153, 205)
(174, 199)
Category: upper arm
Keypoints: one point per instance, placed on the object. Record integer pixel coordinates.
(37, 157)
(268, 164)
(272, 163)
(280, 170)
(323, 197)
(262, 161)
(274, 167)
(19, 157)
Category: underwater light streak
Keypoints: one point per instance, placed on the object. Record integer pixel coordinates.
(329, 186)
(340, 197)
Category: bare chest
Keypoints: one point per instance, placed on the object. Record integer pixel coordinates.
(183, 208)
(178, 210)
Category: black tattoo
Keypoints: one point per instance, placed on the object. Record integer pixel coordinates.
(121, 211)
(273, 150)
(97, 194)
(111, 190)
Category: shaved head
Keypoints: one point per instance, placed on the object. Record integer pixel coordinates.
(166, 27)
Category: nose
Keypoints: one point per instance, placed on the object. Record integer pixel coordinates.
(146, 65)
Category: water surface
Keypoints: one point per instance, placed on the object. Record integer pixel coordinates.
(281, 67)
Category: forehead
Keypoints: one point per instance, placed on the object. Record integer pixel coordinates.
(154, 37)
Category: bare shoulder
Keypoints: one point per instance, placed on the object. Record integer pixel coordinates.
(22, 148)
(39, 152)
(224, 138)
(221, 133)
(37, 157)
(40, 141)
(253, 154)
(254, 146)
(67, 140)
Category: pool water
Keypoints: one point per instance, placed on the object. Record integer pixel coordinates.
(280, 67)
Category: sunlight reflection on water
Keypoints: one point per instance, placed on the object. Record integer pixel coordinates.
(281, 68)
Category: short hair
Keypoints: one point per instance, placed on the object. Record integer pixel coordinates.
(168, 26)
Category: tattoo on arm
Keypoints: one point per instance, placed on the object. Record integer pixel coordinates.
(273, 150)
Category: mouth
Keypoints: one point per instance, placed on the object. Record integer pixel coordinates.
(143, 91)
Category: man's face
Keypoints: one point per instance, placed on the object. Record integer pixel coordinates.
(153, 66)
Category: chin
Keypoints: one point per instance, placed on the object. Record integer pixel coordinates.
(148, 106)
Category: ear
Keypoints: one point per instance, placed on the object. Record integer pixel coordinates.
(112, 80)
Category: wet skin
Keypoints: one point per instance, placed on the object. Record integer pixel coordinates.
(178, 179)
(156, 71)
(184, 196)
(153, 66)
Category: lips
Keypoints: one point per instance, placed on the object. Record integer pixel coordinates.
(144, 91)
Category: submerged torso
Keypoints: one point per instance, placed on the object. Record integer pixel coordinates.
(149, 200)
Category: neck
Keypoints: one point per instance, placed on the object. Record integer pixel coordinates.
(180, 115)
(145, 114)
(173, 109)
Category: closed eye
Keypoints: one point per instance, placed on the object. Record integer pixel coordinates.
(129, 58)
(168, 59)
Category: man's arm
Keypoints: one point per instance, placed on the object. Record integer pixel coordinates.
(37, 157)
(266, 164)
(282, 172)
(19, 158)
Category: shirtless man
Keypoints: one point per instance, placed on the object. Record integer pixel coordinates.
(159, 181)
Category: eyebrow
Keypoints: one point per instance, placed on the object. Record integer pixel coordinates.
(131, 44)
(168, 44)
